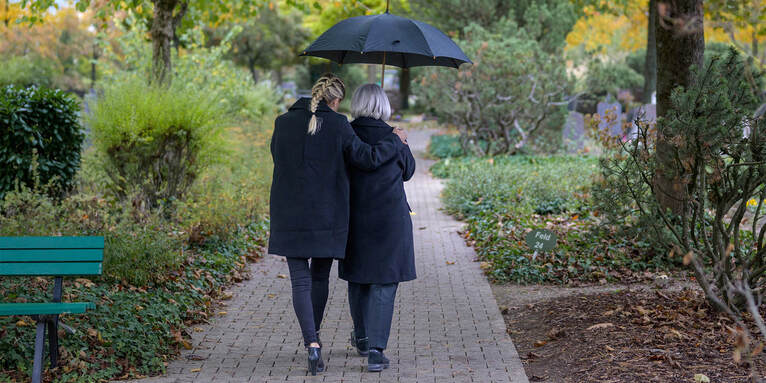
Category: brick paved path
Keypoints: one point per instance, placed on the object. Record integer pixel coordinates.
(447, 327)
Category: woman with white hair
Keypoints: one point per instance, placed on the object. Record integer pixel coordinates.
(312, 147)
(380, 252)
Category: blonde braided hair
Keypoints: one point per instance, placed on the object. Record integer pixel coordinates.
(328, 88)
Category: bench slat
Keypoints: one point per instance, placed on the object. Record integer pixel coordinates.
(7, 309)
(55, 269)
(51, 255)
(51, 242)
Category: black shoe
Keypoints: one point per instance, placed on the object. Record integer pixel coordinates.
(361, 344)
(314, 359)
(320, 366)
(376, 361)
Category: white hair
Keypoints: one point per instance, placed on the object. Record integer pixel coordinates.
(370, 101)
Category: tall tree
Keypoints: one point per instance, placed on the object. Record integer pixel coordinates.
(680, 47)
(650, 65)
(270, 40)
(163, 17)
(744, 21)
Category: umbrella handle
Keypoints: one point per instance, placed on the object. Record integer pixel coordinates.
(383, 72)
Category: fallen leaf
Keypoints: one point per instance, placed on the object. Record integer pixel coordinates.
(688, 259)
(196, 369)
(272, 296)
(540, 343)
(422, 228)
(198, 329)
(609, 348)
(195, 357)
(185, 343)
(642, 310)
(757, 350)
(222, 313)
(21, 323)
(600, 326)
(281, 276)
(701, 378)
(450, 262)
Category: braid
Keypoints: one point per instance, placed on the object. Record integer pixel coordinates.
(329, 87)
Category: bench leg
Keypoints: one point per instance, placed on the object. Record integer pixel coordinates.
(37, 369)
(53, 340)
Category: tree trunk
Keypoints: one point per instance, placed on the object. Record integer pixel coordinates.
(163, 31)
(404, 88)
(253, 71)
(650, 66)
(680, 45)
(93, 66)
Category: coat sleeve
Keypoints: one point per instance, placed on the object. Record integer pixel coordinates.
(365, 156)
(408, 163)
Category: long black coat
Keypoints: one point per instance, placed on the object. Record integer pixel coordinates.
(380, 247)
(310, 188)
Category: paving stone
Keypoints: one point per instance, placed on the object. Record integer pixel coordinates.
(446, 328)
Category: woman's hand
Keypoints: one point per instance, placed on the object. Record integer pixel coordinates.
(402, 134)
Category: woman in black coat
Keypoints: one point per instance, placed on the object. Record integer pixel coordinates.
(309, 207)
(380, 251)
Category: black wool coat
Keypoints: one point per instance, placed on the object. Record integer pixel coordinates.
(309, 203)
(380, 247)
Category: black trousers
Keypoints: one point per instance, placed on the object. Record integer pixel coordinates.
(372, 309)
(310, 289)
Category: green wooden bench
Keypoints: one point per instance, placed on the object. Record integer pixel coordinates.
(49, 256)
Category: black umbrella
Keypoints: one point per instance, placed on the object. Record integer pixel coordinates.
(387, 39)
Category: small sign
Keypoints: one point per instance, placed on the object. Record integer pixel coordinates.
(541, 240)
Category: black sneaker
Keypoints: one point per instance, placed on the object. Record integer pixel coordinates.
(376, 361)
(361, 344)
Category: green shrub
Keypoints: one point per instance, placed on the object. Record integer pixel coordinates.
(25, 71)
(503, 198)
(522, 183)
(445, 146)
(507, 99)
(610, 78)
(154, 141)
(41, 137)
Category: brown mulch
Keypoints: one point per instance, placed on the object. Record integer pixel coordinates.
(625, 336)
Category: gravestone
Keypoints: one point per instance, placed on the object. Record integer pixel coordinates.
(573, 134)
(614, 111)
(646, 113)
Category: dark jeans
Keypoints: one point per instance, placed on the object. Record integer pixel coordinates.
(310, 290)
(372, 309)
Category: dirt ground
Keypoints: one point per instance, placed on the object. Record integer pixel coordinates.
(620, 333)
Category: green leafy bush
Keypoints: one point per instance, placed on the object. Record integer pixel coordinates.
(611, 77)
(508, 99)
(520, 183)
(41, 137)
(155, 141)
(503, 198)
(445, 146)
(25, 71)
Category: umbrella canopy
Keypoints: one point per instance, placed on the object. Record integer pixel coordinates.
(387, 39)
